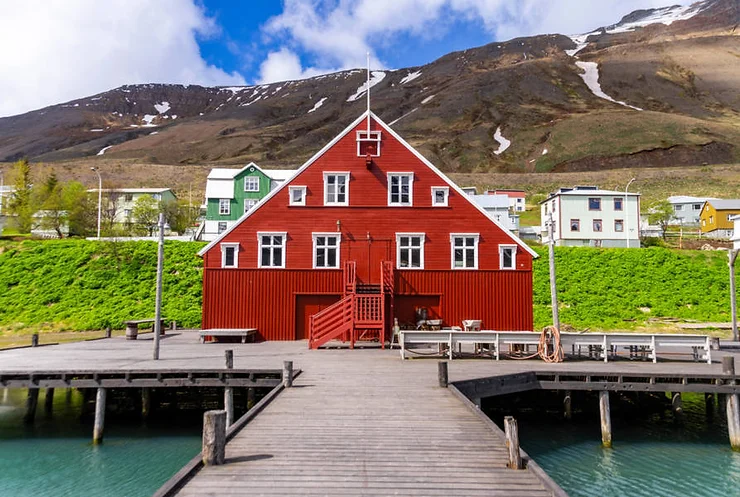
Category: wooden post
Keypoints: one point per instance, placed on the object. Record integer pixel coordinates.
(728, 365)
(553, 285)
(31, 402)
(250, 397)
(442, 374)
(606, 419)
(35, 340)
(108, 332)
(512, 442)
(99, 416)
(709, 404)
(288, 374)
(158, 296)
(733, 421)
(173, 325)
(49, 401)
(733, 295)
(229, 391)
(676, 403)
(568, 405)
(146, 403)
(214, 437)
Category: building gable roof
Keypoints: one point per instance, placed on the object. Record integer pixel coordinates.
(403, 142)
(725, 204)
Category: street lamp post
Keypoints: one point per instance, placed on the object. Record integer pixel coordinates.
(627, 212)
(100, 195)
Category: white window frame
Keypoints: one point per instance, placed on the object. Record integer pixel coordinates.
(292, 189)
(446, 190)
(247, 201)
(326, 188)
(501, 249)
(338, 237)
(218, 227)
(221, 204)
(248, 183)
(260, 234)
(400, 175)
(476, 236)
(363, 137)
(410, 247)
(224, 247)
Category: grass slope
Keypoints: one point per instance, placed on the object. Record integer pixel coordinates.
(87, 285)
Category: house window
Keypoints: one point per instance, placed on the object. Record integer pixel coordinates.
(368, 143)
(507, 256)
(440, 196)
(697, 207)
(221, 227)
(464, 250)
(229, 255)
(249, 203)
(618, 203)
(326, 250)
(271, 249)
(129, 197)
(224, 206)
(703, 222)
(711, 219)
(336, 188)
(597, 225)
(252, 184)
(157, 197)
(619, 225)
(729, 216)
(575, 225)
(678, 207)
(297, 195)
(594, 204)
(400, 188)
(410, 250)
(127, 213)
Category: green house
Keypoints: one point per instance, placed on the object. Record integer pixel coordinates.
(230, 193)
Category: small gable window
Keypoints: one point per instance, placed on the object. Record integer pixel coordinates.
(297, 195)
(368, 143)
(507, 256)
(271, 249)
(229, 255)
(252, 184)
(400, 188)
(336, 188)
(224, 206)
(440, 196)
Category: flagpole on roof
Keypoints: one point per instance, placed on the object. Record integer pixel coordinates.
(368, 95)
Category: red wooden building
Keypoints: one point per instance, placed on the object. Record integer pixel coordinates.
(367, 230)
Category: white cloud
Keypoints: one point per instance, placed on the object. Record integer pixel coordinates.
(284, 65)
(59, 50)
(336, 35)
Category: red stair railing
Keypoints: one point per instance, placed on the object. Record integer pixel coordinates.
(334, 321)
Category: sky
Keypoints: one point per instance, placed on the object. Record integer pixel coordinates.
(54, 51)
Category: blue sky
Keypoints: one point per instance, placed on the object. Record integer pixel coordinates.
(79, 48)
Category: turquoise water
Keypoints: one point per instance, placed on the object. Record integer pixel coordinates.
(652, 455)
(55, 456)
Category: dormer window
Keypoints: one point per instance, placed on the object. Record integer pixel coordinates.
(368, 143)
(440, 194)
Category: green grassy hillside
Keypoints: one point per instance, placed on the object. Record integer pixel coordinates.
(85, 285)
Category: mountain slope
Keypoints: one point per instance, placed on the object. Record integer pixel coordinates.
(680, 64)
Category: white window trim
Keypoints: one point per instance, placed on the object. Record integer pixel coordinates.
(410, 203)
(247, 182)
(224, 246)
(452, 250)
(446, 189)
(228, 206)
(260, 234)
(291, 189)
(346, 196)
(501, 257)
(246, 203)
(334, 234)
(398, 250)
(374, 136)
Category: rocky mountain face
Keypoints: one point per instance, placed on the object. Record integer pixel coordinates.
(660, 87)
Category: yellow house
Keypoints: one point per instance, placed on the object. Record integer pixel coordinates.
(715, 217)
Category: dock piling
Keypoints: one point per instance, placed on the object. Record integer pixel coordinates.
(49, 400)
(99, 416)
(512, 442)
(288, 374)
(606, 419)
(568, 405)
(732, 405)
(442, 374)
(31, 402)
(214, 437)
(146, 403)
(229, 391)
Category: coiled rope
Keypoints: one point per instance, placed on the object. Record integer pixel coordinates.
(549, 348)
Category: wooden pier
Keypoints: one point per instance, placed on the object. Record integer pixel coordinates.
(359, 422)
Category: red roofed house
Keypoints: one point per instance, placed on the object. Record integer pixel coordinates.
(516, 198)
(366, 230)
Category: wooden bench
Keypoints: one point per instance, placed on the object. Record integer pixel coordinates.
(132, 327)
(214, 334)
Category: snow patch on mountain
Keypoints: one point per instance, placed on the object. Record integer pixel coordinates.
(317, 105)
(590, 76)
(503, 143)
(102, 150)
(665, 15)
(410, 77)
(375, 78)
(428, 99)
(163, 107)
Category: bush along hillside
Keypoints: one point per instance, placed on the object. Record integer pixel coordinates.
(84, 285)
(623, 288)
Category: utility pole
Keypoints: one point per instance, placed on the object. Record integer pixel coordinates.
(553, 285)
(733, 293)
(158, 304)
(100, 195)
(627, 213)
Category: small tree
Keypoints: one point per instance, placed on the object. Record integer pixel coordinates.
(109, 210)
(145, 213)
(661, 213)
(179, 215)
(82, 209)
(21, 202)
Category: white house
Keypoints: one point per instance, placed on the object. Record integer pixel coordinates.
(516, 198)
(686, 209)
(499, 207)
(589, 216)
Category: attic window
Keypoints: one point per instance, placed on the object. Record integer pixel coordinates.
(368, 143)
